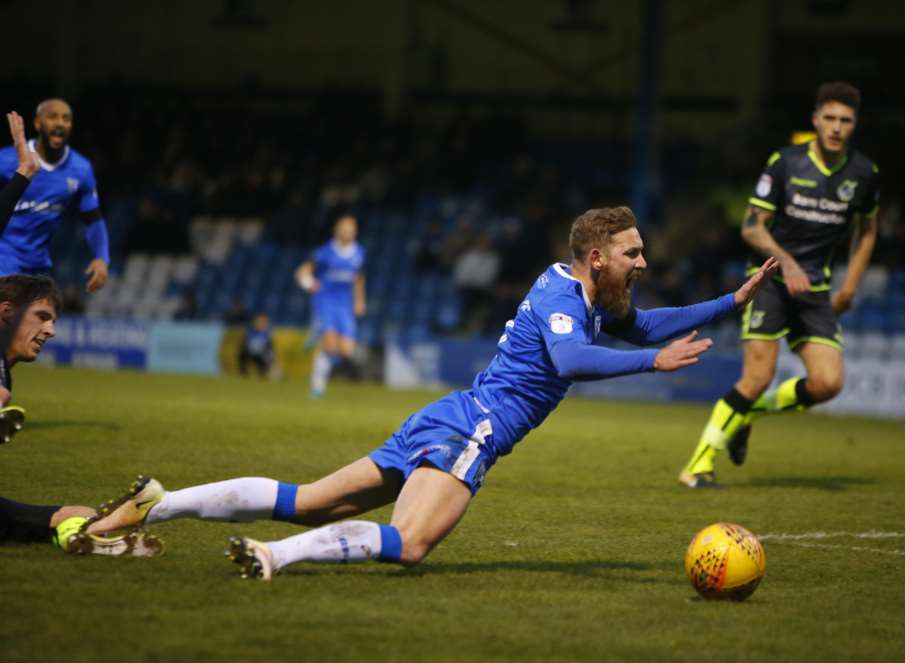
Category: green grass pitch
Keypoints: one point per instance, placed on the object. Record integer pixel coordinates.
(572, 551)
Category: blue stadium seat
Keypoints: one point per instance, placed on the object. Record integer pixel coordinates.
(873, 317)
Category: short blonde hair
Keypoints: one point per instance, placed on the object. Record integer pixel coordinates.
(593, 229)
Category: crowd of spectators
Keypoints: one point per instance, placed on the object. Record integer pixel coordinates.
(294, 162)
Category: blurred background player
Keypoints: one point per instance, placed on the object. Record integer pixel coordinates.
(334, 275)
(63, 184)
(437, 461)
(808, 199)
(257, 346)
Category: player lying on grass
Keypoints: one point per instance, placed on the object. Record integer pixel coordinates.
(433, 466)
(28, 309)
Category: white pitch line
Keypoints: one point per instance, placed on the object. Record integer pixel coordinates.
(873, 534)
(830, 546)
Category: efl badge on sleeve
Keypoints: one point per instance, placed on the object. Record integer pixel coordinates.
(560, 323)
(764, 186)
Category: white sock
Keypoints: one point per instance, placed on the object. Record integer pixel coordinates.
(320, 372)
(347, 542)
(235, 500)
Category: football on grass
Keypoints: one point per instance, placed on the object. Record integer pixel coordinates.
(725, 562)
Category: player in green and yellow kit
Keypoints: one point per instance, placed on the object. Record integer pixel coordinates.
(807, 200)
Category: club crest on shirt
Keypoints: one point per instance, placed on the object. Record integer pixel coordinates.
(764, 185)
(72, 184)
(560, 323)
(846, 190)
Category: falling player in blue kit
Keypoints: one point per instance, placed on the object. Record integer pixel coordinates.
(437, 461)
(64, 184)
(334, 277)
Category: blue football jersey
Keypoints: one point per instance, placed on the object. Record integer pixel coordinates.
(521, 385)
(337, 268)
(67, 186)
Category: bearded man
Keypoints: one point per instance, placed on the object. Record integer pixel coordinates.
(437, 461)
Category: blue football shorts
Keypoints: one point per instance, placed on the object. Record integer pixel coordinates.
(450, 434)
(339, 319)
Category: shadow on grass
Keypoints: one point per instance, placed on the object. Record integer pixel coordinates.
(603, 569)
(830, 483)
(73, 423)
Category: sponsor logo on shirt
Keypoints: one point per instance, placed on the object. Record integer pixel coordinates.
(800, 181)
(764, 185)
(819, 210)
(341, 275)
(560, 323)
(38, 206)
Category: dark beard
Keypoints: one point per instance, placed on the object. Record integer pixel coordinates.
(52, 154)
(612, 295)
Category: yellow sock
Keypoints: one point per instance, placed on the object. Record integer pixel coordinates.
(723, 423)
(782, 399)
(702, 458)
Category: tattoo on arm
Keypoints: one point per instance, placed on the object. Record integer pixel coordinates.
(751, 220)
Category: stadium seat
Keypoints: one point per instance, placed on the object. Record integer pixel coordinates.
(874, 345)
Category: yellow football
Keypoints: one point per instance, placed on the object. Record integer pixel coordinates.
(725, 562)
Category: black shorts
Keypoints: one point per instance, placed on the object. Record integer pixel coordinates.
(808, 318)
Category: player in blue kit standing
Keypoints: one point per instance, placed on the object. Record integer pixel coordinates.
(64, 185)
(334, 277)
(436, 462)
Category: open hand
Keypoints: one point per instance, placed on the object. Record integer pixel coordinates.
(681, 352)
(797, 282)
(750, 287)
(97, 274)
(28, 162)
(306, 280)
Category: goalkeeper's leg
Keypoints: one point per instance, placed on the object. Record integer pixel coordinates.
(34, 523)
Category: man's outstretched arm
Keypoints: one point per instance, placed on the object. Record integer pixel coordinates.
(661, 324)
(575, 360)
